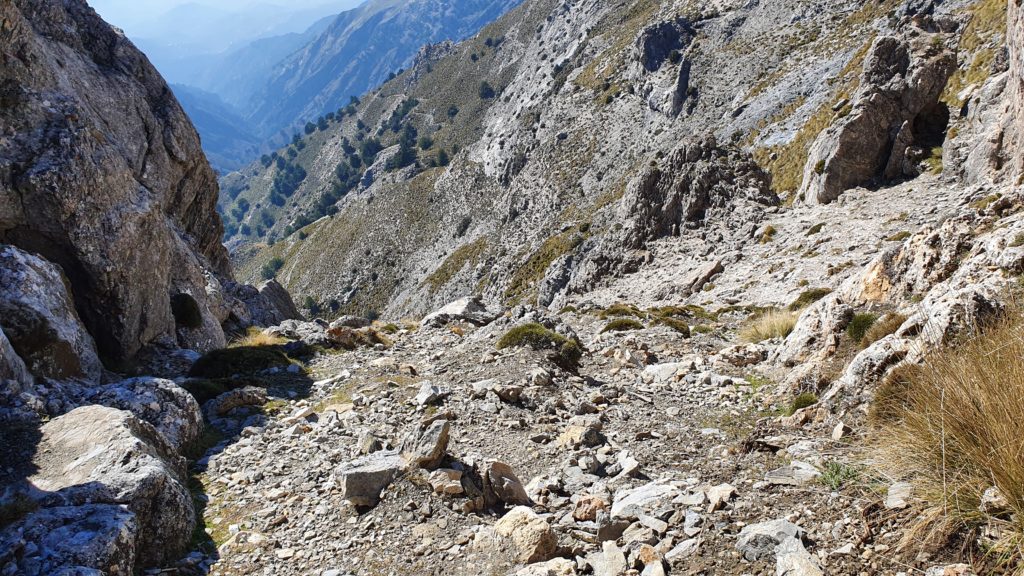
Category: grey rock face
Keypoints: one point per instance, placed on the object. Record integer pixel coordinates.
(103, 175)
(162, 403)
(13, 373)
(76, 539)
(1015, 83)
(895, 108)
(39, 319)
(471, 309)
(758, 541)
(363, 479)
(97, 456)
(700, 182)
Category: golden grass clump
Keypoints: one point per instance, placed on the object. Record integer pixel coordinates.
(881, 328)
(770, 324)
(954, 427)
(254, 338)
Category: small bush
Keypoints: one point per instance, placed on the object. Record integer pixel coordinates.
(885, 326)
(808, 297)
(899, 236)
(228, 362)
(859, 325)
(815, 229)
(538, 337)
(270, 269)
(678, 325)
(768, 235)
(620, 310)
(805, 400)
(622, 325)
(770, 324)
(835, 475)
(819, 167)
(702, 329)
(953, 427)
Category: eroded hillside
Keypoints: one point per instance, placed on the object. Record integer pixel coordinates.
(542, 170)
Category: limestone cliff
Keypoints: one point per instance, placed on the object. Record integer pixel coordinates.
(102, 173)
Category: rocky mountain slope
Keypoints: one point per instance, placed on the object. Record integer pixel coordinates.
(579, 127)
(359, 49)
(226, 138)
(698, 316)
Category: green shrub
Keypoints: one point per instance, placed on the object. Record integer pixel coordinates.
(228, 362)
(270, 269)
(537, 337)
(678, 325)
(808, 297)
(620, 310)
(835, 475)
(899, 236)
(802, 401)
(622, 325)
(859, 326)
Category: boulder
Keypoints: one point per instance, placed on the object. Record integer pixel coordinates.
(267, 305)
(609, 561)
(895, 110)
(38, 316)
(15, 378)
(96, 455)
(426, 449)
(71, 540)
(529, 538)
(105, 176)
(228, 401)
(363, 479)
(553, 567)
(643, 500)
(351, 322)
(502, 485)
(758, 541)
(162, 403)
(471, 309)
(816, 333)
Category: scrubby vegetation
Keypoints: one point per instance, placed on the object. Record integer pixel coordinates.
(859, 325)
(228, 362)
(536, 336)
(884, 326)
(953, 427)
(622, 325)
(808, 297)
(768, 325)
(804, 400)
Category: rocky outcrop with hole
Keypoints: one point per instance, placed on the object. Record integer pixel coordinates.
(103, 175)
(895, 117)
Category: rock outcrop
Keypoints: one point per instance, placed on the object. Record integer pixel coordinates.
(1015, 83)
(103, 174)
(699, 184)
(110, 485)
(896, 115)
(39, 319)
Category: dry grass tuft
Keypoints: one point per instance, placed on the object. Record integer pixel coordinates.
(954, 428)
(881, 328)
(770, 324)
(255, 338)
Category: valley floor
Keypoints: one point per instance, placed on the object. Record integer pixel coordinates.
(691, 427)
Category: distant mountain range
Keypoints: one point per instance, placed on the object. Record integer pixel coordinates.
(250, 99)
